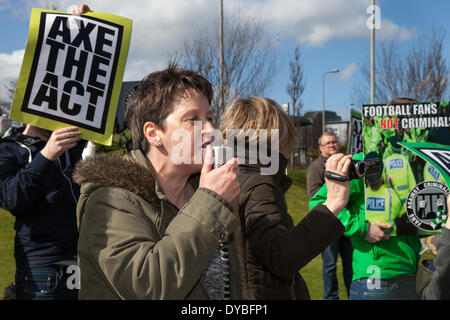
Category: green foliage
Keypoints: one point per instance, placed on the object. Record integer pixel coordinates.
(7, 263)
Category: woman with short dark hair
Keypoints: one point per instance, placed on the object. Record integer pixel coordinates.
(153, 227)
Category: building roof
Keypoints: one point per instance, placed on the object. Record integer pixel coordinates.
(300, 121)
(329, 116)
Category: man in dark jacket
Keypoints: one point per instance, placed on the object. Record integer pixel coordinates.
(36, 187)
(328, 145)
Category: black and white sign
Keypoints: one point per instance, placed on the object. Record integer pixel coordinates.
(73, 70)
(424, 202)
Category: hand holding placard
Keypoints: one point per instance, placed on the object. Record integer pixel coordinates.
(72, 71)
(61, 140)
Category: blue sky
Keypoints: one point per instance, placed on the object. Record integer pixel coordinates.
(331, 34)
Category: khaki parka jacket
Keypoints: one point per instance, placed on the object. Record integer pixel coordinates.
(135, 244)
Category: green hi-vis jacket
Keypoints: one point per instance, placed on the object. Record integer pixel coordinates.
(393, 257)
(430, 173)
(372, 138)
(119, 145)
(383, 206)
(397, 166)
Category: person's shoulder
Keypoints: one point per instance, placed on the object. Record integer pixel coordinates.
(249, 179)
(12, 143)
(259, 187)
(316, 170)
(318, 162)
(116, 171)
(10, 135)
(15, 135)
(116, 197)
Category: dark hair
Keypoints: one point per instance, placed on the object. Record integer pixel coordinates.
(155, 96)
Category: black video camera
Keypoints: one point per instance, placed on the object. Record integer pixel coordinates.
(358, 169)
(364, 168)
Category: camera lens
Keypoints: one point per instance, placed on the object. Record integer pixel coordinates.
(360, 168)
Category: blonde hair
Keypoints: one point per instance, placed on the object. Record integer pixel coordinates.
(259, 113)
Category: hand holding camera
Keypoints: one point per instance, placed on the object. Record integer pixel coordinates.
(338, 191)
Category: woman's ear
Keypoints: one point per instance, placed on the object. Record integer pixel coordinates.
(151, 133)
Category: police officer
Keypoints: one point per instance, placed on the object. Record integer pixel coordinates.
(387, 134)
(372, 137)
(121, 142)
(382, 203)
(397, 171)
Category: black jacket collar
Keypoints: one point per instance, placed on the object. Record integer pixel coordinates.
(16, 135)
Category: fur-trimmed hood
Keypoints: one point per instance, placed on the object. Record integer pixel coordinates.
(129, 172)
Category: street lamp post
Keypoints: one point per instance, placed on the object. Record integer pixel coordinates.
(323, 96)
(222, 103)
(372, 56)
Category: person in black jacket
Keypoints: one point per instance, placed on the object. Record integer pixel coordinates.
(271, 248)
(36, 187)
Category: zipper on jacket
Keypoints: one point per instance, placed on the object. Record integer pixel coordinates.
(293, 289)
(30, 157)
(68, 180)
(225, 258)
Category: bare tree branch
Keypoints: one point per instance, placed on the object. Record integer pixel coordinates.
(52, 4)
(249, 58)
(421, 73)
(10, 87)
(296, 86)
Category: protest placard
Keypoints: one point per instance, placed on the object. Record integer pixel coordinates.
(72, 72)
(355, 137)
(413, 141)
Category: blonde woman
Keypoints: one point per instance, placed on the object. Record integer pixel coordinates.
(272, 249)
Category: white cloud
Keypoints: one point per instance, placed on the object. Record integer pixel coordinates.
(160, 27)
(346, 74)
(391, 31)
(4, 4)
(343, 112)
(9, 69)
(314, 22)
(10, 64)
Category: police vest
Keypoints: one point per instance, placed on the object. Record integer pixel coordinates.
(430, 173)
(387, 133)
(397, 166)
(420, 134)
(119, 145)
(408, 154)
(382, 205)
